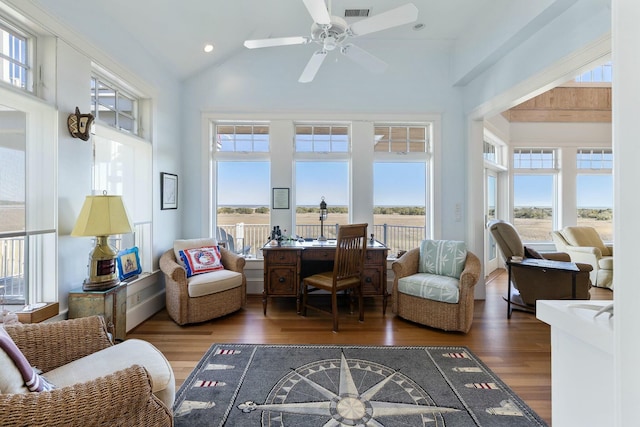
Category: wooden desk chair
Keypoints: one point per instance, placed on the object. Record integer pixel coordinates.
(348, 265)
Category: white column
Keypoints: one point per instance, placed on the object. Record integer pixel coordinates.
(626, 149)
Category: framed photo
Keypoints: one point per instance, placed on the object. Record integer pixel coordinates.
(128, 262)
(168, 191)
(280, 198)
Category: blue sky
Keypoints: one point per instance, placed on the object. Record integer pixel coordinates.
(248, 183)
(242, 182)
(594, 191)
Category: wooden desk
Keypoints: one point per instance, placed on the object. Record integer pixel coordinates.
(287, 264)
(542, 264)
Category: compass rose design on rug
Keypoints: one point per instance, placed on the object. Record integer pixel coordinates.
(367, 394)
(277, 385)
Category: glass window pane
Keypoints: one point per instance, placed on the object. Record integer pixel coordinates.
(595, 203)
(13, 146)
(399, 212)
(242, 217)
(533, 197)
(315, 180)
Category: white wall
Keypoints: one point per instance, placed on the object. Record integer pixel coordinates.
(67, 85)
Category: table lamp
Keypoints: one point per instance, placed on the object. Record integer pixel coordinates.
(323, 217)
(102, 216)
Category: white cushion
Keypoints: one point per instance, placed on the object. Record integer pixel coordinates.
(431, 286)
(214, 282)
(182, 244)
(10, 378)
(116, 358)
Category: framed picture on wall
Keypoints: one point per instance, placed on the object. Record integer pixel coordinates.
(168, 191)
(280, 198)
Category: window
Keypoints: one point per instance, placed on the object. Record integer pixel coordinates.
(594, 190)
(322, 138)
(600, 74)
(314, 180)
(242, 137)
(242, 185)
(122, 165)
(402, 139)
(28, 195)
(534, 195)
(15, 57)
(322, 155)
(113, 106)
(399, 212)
(243, 202)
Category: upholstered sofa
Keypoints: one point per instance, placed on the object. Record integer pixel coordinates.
(204, 296)
(427, 294)
(583, 244)
(95, 382)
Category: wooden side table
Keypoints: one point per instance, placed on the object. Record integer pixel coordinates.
(111, 304)
(541, 264)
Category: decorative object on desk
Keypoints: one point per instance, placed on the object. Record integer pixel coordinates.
(329, 385)
(79, 125)
(168, 191)
(280, 198)
(129, 263)
(102, 216)
(323, 218)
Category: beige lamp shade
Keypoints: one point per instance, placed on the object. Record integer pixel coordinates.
(102, 216)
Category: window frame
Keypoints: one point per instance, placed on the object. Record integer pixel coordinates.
(30, 41)
(119, 91)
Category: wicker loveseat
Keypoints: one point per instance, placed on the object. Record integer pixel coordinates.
(449, 316)
(76, 356)
(204, 296)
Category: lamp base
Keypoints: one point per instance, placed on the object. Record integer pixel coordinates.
(321, 239)
(102, 267)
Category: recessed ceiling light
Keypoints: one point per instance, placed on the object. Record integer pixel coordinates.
(208, 48)
(418, 26)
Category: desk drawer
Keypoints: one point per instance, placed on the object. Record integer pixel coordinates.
(375, 256)
(282, 281)
(280, 257)
(318, 254)
(372, 281)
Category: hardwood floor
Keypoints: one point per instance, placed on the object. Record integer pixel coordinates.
(517, 350)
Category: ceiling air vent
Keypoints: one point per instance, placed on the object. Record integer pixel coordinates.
(356, 13)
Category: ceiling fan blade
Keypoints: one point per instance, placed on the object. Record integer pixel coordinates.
(364, 58)
(278, 41)
(391, 18)
(313, 66)
(318, 11)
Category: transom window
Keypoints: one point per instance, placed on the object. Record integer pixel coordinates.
(113, 105)
(402, 139)
(14, 57)
(534, 158)
(595, 159)
(242, 137)
(322, 138)
(600, 74)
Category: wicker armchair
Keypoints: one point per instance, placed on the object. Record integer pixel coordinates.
(123, 398)
(184, 309)
(436, 314)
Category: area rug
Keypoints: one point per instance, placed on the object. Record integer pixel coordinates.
(311, 385)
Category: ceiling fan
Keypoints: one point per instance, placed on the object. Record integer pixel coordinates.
(333, 32)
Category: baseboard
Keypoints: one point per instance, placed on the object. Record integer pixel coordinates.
(145, 309)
